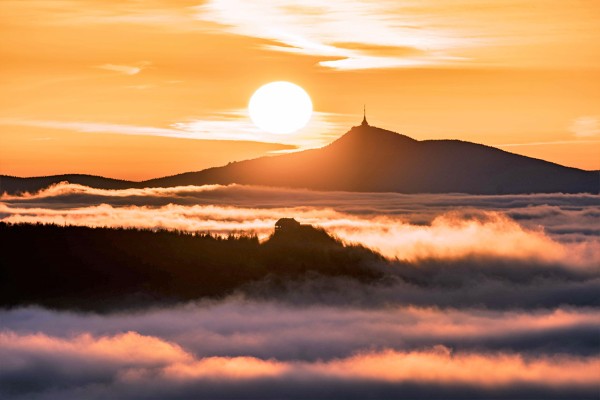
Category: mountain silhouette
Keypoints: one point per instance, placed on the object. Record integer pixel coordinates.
(13, 184)
(99, 269)
(371, 159)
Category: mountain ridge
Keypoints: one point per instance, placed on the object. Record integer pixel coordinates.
(372, 159)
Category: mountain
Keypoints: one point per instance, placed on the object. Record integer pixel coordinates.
(370, 159)
(102, 269)
(13, 184)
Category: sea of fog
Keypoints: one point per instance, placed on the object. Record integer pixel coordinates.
(508, 306)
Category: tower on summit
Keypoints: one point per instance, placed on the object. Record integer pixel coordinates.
(364, 121)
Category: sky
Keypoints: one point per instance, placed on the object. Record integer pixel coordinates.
(141, 89)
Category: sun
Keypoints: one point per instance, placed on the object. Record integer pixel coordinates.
(280, 107)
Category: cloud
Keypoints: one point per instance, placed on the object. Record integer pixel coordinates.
(68, 189)
(489, 297)
(398, 226)
(553, 142)
(323, 332)
(131, 365)
(465, 283)
(125, 69)
(226, 125)
(449, 236)
(558, 214)
(236, 125)
(329, 30)
(97, 127)
(586, 127)
(140, 87)
(172, 16)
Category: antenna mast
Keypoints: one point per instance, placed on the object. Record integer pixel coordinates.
(364, 121)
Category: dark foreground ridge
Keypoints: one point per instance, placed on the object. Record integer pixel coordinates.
(105, 270)
(101, 269)
(370, 159)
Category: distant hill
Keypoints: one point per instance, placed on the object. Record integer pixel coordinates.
(370, 159)
(12, 184)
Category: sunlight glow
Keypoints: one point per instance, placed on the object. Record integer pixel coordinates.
(280, 107)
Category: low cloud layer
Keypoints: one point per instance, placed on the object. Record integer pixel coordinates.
(273, 330)
(548, 228)
(552, 211)
(484, 297)
(230, 347)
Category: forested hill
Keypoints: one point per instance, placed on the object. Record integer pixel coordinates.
(101, 268)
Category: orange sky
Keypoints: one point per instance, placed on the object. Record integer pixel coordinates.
(139, 89)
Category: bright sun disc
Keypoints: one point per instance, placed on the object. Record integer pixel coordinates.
(280, 107)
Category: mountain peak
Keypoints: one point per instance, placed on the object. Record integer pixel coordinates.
(372, 159)
(368, 136)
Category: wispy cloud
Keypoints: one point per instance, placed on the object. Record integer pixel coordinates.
(140, 87)
(236, 125)
(169, 15)
(359, 34)
(351, 34)
(549, 142)
(226, 125)
(586, 130)
(95, 127)
(125, 69)
(586, 126)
